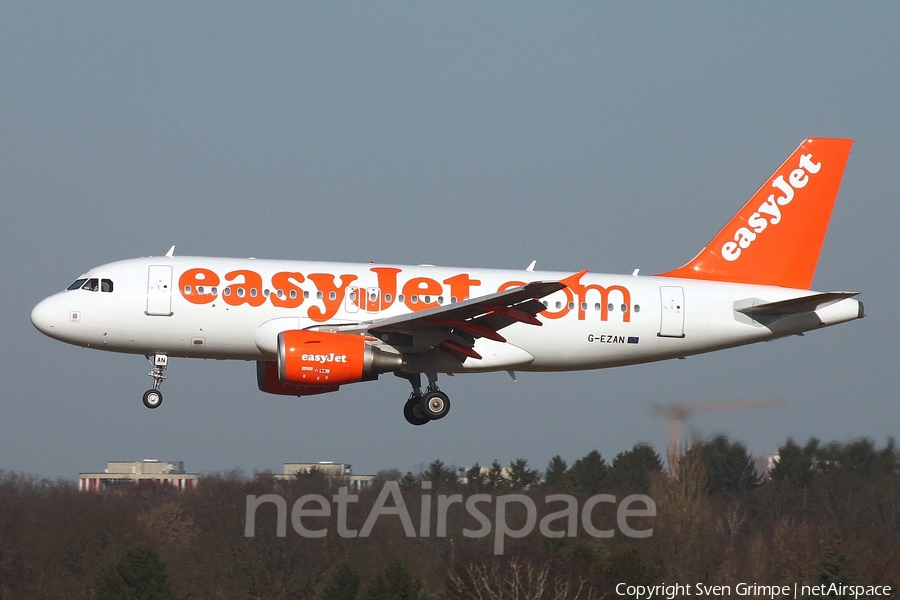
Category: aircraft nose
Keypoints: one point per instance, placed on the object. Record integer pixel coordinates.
(46, 316)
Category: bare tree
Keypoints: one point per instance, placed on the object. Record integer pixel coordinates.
(519, 579)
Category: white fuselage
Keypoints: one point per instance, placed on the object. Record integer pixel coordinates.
(234, 309)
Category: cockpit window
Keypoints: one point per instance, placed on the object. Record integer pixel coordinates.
(92, 285)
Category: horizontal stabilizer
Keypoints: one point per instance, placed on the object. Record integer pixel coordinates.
(796, 305)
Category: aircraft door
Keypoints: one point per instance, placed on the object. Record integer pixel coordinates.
(373, 300)
(672, 320)
(159, 291)
(353, 300)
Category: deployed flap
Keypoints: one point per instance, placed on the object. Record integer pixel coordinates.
(455, 327)
(796, 305)
(517, 299)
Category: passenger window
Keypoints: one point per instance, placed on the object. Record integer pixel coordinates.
(106, 285)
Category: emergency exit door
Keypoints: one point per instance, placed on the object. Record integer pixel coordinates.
(672, 319)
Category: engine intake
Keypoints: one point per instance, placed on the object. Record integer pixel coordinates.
(316, 358)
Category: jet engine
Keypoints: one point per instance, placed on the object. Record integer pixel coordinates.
(268, 382)
(316, 358)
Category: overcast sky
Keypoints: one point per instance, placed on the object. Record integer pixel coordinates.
(586, 136)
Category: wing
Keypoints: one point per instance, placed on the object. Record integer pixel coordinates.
(455, 327)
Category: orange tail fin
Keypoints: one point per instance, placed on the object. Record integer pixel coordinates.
(776, 237)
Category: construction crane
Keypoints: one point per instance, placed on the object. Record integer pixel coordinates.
(676, 413)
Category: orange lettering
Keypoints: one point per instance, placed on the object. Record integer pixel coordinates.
(421, 286)
(387, 287)
(247, 292)
(287, 282)
(604, 301)
(573, 283)
(510, 284)
(331, 296)
(549, 314)
(461, 286)
(191, 279)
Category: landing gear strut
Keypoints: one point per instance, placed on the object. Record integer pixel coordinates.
(153, 397)
(432, 405)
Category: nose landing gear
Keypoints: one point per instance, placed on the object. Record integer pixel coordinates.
(153, 397)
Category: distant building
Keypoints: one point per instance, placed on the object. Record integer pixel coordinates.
(127, 472)
(463, 478)
(329, 469)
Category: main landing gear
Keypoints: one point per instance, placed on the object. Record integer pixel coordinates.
(432, 405)
(159, 362)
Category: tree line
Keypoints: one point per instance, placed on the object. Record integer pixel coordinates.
(827, 513)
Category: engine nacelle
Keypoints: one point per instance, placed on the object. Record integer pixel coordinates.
(316, 358)
(268, 382)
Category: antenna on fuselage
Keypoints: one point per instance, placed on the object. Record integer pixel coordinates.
(171, 252)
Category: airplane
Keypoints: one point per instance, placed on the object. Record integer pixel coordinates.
(312, 327)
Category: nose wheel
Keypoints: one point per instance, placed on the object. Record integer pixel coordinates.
(153, 397)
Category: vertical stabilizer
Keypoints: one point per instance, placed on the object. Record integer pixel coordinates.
(775, 239)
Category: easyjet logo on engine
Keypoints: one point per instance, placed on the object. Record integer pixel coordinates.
(324, 358)
(769, 212)
(326, 293)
